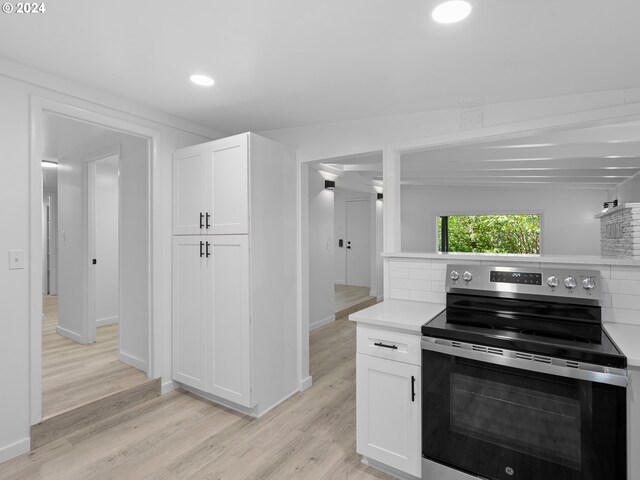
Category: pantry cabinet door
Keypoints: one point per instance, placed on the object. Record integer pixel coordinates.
(190, 184)
(190, 311)
(228, 199)
(229, 362)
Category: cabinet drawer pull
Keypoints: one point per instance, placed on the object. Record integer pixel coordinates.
(201, 247)
(207, 250)
(413, 388)
(207, 216)
(201, 220)
(380, 344)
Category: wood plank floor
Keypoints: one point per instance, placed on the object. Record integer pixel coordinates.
(348, 296)
(179, 436)
(73, 374)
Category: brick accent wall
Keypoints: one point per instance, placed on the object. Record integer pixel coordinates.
(620, 231)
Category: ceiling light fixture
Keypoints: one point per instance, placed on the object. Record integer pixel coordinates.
(202, 80)
(49, 164)
(451, 12)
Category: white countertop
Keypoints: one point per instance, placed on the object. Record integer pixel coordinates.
(627, 337)
(399, 314)
(541, 259)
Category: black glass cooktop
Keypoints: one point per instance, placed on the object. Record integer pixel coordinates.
(561, 331)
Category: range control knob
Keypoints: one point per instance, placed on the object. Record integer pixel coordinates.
(454, 275)
(552, 281)
(570, 283)
(466, 276)
(588, 284)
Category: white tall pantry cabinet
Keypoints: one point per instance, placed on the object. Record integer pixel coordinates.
(234, 271)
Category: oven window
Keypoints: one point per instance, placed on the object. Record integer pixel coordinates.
(537, 423)
(505, 423)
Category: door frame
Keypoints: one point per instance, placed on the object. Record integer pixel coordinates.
(79, 112)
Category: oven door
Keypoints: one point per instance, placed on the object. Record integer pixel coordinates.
(490, 417)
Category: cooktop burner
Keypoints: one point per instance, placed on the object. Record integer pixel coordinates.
(551, 344)
(555, 336)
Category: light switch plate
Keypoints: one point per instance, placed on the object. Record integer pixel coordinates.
(16, 259)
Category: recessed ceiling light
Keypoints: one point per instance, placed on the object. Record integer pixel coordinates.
(202, 80)
(451, 12)
(49, 164)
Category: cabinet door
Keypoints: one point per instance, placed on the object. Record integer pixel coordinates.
(190, 311)
(388, 399)
(190, 184)
(229, 363)
(228, 198)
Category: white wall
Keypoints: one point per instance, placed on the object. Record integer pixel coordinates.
(341, 196)
(377, 278)
(628, 192)
(106, 241)
(71, 288)
(321, 251)
(568, 224)
(17, 84)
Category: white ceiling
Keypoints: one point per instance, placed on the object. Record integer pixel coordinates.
(281, 63)
(598, 157)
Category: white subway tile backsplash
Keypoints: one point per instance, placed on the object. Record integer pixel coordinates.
(437, 287)
(417, 284)
(403, 283)
(627, 302)
(625, 273)
(619, 315)
(427, 274)
(421, 296)
(438, 265)
(400, 294)
(398, 272)
(623, 287)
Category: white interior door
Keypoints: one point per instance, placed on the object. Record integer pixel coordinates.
(358, 243)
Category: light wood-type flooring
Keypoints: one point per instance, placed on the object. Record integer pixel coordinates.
(74, 374)
(349, 299)
(179, 436)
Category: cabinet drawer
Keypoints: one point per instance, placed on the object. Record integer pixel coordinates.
(384, 343)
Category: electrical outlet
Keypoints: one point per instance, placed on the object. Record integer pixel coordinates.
(16, 259)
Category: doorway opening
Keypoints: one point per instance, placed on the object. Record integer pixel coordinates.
(95, 329)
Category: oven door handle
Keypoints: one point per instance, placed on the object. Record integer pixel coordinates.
(528, 361)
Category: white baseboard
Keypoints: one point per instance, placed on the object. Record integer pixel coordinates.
(168, 386)
(306, 383)
(107, 321)
(134, 362)
(388, 470)
(321, 323)
(254, 412)
(76, 337)
(15, 449)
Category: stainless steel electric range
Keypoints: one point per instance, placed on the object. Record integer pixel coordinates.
(520, 380)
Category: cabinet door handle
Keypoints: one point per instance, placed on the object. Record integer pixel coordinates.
(207, 250)
(201, 247)
(413, 388)
(380, 344)
(201, 220)
(208, 216)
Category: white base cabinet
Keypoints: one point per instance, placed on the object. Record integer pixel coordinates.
(234, 272)
(388, 401)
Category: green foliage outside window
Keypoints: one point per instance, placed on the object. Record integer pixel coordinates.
(492, 233)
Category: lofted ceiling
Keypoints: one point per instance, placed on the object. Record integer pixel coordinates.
(598, 157)
(283, 63)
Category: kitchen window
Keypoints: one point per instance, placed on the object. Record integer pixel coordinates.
(515, 234)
